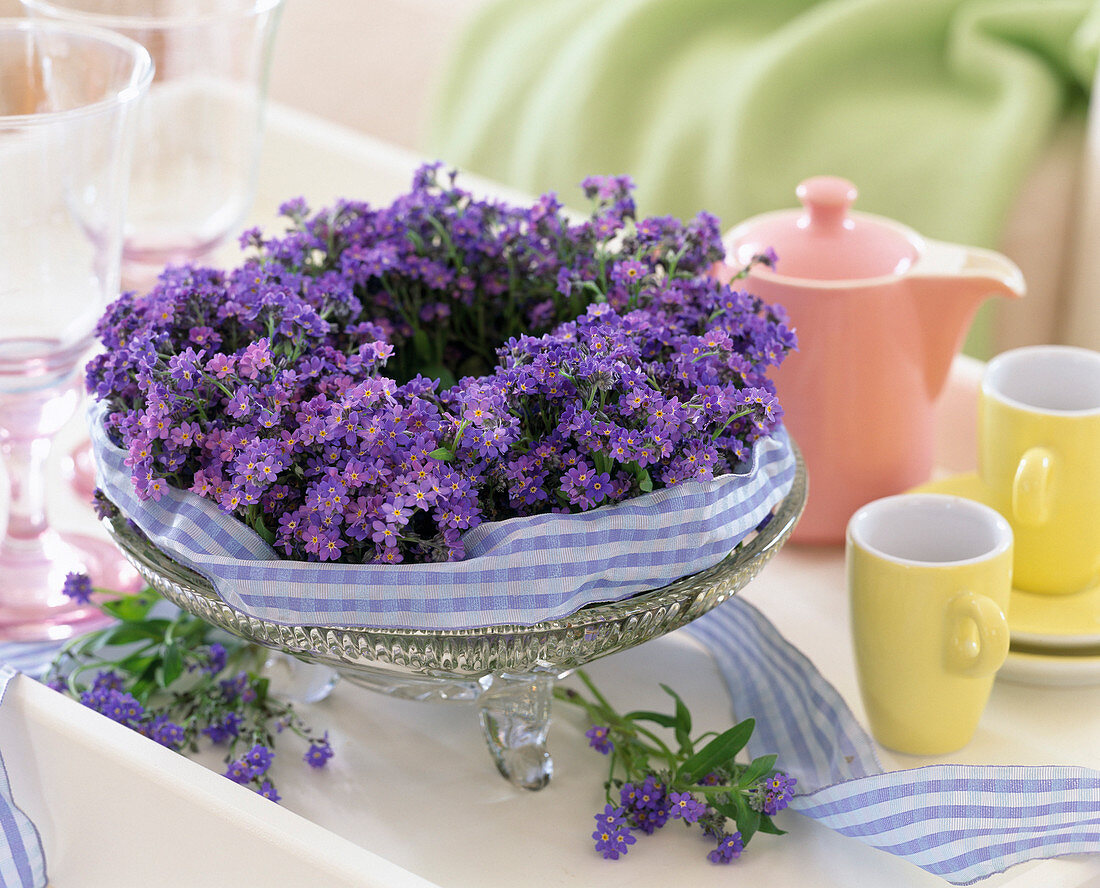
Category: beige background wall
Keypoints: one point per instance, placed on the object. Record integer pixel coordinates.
(368, 64)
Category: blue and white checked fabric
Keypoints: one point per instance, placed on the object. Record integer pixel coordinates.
(960, 822)
(30, 657)
(22, 863)
(520, 571)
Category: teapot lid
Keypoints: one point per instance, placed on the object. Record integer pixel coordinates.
(823, 240)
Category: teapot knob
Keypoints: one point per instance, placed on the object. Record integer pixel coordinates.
(827, 200)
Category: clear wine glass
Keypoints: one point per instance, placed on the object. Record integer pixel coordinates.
(67, 100)
(200, 131)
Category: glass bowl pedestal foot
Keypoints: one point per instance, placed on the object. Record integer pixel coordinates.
(514, 711)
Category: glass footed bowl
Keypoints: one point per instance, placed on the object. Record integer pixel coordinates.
(509, 670)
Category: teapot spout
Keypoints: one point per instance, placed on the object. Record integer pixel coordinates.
(948, 284)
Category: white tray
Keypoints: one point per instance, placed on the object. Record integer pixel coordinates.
(412, 798)
(115, 809)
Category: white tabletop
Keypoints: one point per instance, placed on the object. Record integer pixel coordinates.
(412, 794)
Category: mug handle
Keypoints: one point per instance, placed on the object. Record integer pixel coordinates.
(1031, 504)
(993, 635)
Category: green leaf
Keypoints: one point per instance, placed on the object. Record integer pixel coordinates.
(748, 821)
(756, 770)
(137, 630)
(171, 665)
(645, 482)
(193, 632)
(138, 664)
(726, 809)
(766, 826)
(130, 607)
(442, 453)
(719, 751)
(683, 721)
(660, 718)
(143, 689)
(267, 535)
(737, 809)
(145, 669)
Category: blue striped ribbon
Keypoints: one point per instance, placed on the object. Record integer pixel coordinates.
(22, 863)
(518, 571)
(29, 657)
(960, 822)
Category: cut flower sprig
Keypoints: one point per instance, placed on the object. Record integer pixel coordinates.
(653, 779)
(177, 680)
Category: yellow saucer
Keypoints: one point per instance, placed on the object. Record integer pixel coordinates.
(1054, 621)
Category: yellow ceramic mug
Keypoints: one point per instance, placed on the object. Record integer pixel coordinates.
(1039, 461)
(929, 577)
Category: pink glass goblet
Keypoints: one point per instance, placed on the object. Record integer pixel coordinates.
(78, 468)
(67, 101)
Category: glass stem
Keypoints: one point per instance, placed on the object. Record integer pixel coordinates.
(25, 460)
(28, 421)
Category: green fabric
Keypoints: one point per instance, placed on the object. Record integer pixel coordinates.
(936, 109)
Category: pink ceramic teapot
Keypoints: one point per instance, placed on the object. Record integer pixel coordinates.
(880, 313)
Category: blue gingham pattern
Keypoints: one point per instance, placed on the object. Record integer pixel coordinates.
(960, 822)
(22, 863)
(30, 657)
(516, 572)
(966, 822)
(796, 709)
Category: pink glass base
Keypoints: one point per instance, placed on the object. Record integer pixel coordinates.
(29, 616)
(78, 468)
